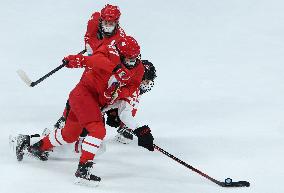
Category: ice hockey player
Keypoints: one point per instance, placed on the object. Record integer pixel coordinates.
(116, 72)
(102, 28)
(122, 113)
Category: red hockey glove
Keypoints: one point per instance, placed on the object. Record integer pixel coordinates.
(111, 94)
(145, 138)
(74, 61)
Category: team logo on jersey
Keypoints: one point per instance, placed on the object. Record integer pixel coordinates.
(113, 49)
(122, 74)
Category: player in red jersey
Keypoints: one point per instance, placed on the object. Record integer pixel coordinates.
(115, 73)
(102, 28)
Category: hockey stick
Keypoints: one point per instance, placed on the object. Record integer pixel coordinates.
(30, 83)
(228, 181)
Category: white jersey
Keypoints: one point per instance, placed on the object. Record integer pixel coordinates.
(127, 109)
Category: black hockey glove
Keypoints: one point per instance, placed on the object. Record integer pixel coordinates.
(113, 118)
(145, 138)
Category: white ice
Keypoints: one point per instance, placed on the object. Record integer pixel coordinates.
(218, 102)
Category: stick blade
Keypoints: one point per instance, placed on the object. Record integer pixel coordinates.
(235, 184)
(241, 184)
(24, 77)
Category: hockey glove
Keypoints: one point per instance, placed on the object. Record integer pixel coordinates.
(113, 119)
(74, 61)
(145, 138)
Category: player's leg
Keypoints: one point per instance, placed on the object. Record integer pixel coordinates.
(85, 106)
(57, 137)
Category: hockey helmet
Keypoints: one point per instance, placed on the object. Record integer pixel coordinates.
(129, 51)
(110, 13)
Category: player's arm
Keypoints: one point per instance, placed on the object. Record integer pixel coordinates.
(98, 61)
(91, 32)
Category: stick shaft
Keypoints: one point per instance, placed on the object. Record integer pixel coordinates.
(52, 72)
(186, 165)
(47, 75)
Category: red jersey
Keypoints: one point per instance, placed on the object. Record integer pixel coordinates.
(102, 64)
(94, 37)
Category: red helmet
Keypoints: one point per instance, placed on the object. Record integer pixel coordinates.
(110, 13)
(128, 47)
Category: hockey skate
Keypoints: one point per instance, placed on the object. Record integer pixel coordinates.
(23, 142)
(23, 147)
(124, 135)
(84, 176)
(35, 151)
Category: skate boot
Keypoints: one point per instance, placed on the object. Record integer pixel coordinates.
(84, 176)
(124, 135)
(23, 147)
(23, 142)
(36, 152)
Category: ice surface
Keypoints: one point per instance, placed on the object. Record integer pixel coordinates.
(217, 103)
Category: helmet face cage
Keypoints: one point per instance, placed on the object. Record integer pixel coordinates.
(107, 29)
(130, 63)
(146, 87)
(149, 76)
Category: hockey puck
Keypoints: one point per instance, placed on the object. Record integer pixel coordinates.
(228, 181)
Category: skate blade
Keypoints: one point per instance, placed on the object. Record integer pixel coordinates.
(122, 139)
(27, 154)
(12, 143)
(84, 182)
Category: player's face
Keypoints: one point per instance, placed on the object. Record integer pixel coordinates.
(108, 26)
(130, 62)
